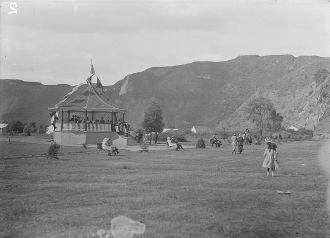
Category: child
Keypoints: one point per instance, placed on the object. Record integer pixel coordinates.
(270, 159)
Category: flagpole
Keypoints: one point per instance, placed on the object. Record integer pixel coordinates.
(92, 68)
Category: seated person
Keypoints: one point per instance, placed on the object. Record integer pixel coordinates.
(102, 120)
(178, 146)
(107, 146)
(169, 142)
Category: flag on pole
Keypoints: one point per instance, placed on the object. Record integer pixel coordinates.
(92, 69)
(98, 83)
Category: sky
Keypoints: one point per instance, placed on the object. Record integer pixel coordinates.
(54, 41)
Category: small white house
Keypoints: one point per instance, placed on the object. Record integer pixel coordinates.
(200, 129)
(293, 128)
(3, 126)
(168, 129)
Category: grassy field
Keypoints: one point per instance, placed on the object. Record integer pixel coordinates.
(191, 193)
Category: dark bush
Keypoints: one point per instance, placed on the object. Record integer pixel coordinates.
(53, 150)
(15, 126)
(304, 131)
(180, 138)
(42, 129)
(200, 143)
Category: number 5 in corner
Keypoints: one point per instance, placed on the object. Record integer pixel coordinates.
(13, 7)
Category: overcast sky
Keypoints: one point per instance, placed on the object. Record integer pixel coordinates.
(53, 41)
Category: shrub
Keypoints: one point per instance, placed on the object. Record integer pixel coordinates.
(30, 128)
(200, 143)
(15, 126)
(303, 131)
(42, 129)
(181, 138)
(53, 150)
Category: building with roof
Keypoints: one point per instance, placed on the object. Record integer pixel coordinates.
(200, 129)
(3, 126)
(85, 116)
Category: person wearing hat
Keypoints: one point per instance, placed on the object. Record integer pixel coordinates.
(273, 145)
(270, 162)
(233, 143)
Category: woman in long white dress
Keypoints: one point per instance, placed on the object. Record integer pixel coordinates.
(169, 142)
(270, 162)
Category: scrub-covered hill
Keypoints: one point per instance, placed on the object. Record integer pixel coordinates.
(200, 93)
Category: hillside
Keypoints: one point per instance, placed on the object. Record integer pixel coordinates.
(214, 93)
(201, 93)
(28, 101)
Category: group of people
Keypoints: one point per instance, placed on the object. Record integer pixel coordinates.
(237, 143)
(270, 154)
(119, 126)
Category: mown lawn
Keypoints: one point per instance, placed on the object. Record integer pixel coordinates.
(191, 193)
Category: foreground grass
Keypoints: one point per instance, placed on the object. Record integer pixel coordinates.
(191, 193)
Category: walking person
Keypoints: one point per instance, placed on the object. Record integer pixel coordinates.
(233, 144)
(270, 162)
(240, 142)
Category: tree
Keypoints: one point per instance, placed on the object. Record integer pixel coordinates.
(262, 113)
(153, 120)
(42, 129)
(15, 126)
(30, 128)
(276, 121)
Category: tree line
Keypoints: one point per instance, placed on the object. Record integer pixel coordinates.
(26, 128)
(261, 111)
